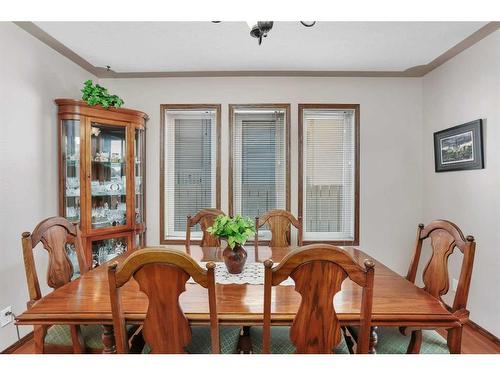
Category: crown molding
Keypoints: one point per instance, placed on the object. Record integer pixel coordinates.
(416, 71)
(53, 43)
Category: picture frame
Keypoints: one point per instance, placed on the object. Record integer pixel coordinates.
(459, 148)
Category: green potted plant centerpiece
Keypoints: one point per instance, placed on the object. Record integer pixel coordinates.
(236, 231)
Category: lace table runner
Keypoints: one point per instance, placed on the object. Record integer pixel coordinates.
(253, 274)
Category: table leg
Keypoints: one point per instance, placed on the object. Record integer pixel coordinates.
(108, 339)
(455, 340)
(415, 342)
(373, 340)
(244, 342)
(39, 333)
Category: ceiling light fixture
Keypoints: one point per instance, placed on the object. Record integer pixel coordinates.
(260, 29)
(308, 23)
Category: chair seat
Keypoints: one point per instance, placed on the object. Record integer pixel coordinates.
(391, 341)
(281, 343)
(61, 335)
(201, 342)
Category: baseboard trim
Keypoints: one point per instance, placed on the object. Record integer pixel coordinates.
(11, 349)
(483, 332)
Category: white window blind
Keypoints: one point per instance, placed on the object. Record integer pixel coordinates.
(190, 167)
(259, 161)
(329, 174)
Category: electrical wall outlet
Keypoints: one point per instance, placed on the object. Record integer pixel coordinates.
(454, 284)
(6, 316)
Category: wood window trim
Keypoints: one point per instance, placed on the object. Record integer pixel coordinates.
(356, 108)
(163, 109)
(232, 108)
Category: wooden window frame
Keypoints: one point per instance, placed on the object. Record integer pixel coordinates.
(163, 110)
(232, 108)
(356, 108)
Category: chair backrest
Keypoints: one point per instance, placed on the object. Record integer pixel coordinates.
(162, 275)
(445, 236)
(205, 217)
(54, 233)
(318, 271)
(279, 222)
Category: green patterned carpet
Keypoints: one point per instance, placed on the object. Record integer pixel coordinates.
(280, 341)
(201, 342)
(391, 341)
(61, 335)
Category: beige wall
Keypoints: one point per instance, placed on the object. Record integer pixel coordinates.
(464, 89)
(31, 76)
(391, 148)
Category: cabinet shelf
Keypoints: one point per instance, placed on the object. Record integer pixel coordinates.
(109, 194)
(109, 163)
(112, 163)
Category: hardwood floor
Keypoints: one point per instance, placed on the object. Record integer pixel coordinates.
(27, 348)
(472, 343)
(475, 343)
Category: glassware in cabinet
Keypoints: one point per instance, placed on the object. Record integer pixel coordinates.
(73, 257)
(108, 153)
(107, 249)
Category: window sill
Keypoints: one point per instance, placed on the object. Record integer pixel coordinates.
(175, 241)
(354, 242)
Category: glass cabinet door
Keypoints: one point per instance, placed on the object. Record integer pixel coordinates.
(108, 175)
(107, 249)
(139, 145)
(70, 147)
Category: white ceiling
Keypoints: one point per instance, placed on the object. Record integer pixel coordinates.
(227, 46)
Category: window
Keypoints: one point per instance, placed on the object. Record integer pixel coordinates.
(190, 166)
(259, 164)
(329, 172)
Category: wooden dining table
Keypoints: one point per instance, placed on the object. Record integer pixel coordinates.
(396, 301)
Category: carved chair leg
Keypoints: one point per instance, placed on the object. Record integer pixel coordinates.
(373, 340)
(39, 333)
(77, 339)
(108, 339)
(454, 340)
(415, 342)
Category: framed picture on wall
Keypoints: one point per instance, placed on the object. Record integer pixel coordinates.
(459, 148)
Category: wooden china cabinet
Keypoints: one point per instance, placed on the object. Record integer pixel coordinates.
(102, 176)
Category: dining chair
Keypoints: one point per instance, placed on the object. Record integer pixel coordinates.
(205, 217)
(166, 329)
(444, 236)
(279, 223)
(318, 272)
(57, 235)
